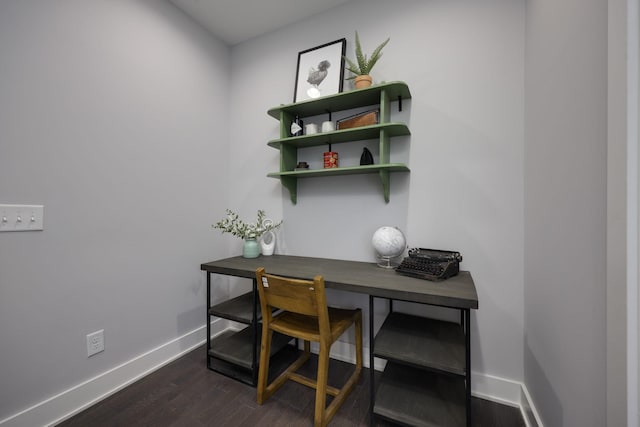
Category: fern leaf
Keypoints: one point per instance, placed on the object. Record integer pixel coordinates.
(362, 59)
(377, 53)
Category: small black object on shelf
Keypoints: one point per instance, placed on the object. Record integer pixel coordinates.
(302, 166)
(366, 158)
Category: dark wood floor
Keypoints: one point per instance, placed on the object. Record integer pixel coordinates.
(186, 393)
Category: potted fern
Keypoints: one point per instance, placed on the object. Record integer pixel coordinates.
(361, 68)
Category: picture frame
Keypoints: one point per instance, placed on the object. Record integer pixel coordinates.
(320, 71)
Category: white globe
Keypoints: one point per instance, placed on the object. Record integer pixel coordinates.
(389, 242)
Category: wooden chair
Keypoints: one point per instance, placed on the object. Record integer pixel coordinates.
(305, 316)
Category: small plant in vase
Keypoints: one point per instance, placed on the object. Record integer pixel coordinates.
(249, 232)
(361, 67)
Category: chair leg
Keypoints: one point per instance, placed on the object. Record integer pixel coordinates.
(263, 370)
(348, 386)
(320, 416)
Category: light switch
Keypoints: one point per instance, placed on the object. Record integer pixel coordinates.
(21, 217)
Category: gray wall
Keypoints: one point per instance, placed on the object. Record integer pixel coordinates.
(565, 210)
(464, 63)
(114, 116)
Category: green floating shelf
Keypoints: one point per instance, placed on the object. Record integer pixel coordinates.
(289, 179)
(344, 100)
(345, 135)
(349, 170)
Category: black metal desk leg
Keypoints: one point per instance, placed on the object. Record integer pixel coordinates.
(208, 320)
(372, 388)
(254, 325)
(467, 330)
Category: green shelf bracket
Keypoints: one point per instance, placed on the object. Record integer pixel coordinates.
(386, 181)
(291, 184)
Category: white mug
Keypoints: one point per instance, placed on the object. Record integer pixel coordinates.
(311, 128)
(327, 126)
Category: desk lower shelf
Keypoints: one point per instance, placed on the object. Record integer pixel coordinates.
(423, 342)
(237, 347)
(417, 397)
(239, 309)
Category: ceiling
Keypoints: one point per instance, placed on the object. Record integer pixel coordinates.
(234, 21)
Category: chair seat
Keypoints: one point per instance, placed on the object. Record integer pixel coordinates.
(306, 327)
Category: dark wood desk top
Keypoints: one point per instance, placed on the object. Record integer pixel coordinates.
(355, 276)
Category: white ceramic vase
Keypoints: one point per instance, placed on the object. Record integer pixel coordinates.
(268, 243)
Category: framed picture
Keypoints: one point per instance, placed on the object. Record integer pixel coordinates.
(320, 71)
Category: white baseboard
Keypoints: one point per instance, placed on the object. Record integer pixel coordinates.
(70, 402)
(529, 412)
(506, 392)
(496, 389)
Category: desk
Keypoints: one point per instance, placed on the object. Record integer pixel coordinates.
(457, 293)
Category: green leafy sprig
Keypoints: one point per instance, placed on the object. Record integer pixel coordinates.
(364, 65)
(234, 225)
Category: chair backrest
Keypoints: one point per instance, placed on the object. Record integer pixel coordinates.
(295, 295)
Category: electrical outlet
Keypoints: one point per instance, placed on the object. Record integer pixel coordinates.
(95, 342)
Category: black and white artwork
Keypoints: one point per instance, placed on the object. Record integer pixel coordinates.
(320, 71)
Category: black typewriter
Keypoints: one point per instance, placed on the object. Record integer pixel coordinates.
(430, 264)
